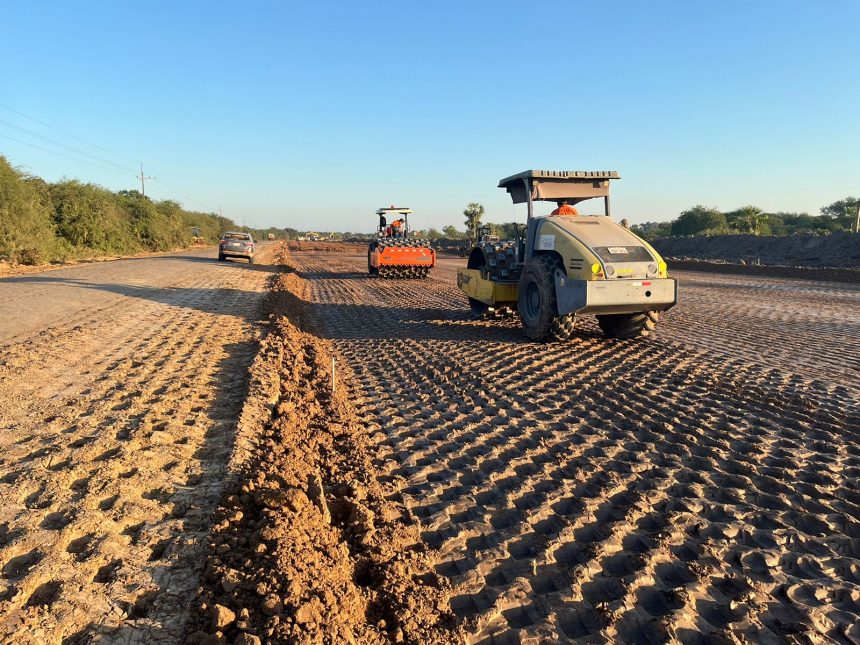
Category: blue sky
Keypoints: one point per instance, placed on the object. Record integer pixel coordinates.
(312, 115)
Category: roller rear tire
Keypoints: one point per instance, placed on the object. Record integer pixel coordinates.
(625, 326)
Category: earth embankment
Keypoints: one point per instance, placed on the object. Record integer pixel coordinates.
(836, 250)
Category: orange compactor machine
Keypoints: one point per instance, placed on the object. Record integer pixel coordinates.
(396, 252)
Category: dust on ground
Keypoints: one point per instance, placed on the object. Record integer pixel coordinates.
(821, 274)
(14, 268)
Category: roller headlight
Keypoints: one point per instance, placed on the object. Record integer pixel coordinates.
(610, 269)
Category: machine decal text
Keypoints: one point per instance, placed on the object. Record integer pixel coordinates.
(547, 242)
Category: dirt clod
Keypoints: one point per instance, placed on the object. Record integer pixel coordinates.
(307, 613)
(230, 581)
(272, 605)
(246, 639)
(222, 617)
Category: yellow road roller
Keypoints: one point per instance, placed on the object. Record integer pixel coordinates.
(565, 264)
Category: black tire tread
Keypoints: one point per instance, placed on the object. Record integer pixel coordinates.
(550, 326)
(626, 326)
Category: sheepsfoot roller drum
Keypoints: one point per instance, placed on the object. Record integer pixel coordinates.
(396, 253)
(491, 279)
(564, 265)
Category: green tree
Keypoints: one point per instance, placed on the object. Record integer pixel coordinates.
(45, 222)
(155, 226)
(452, 233)
(506, 231)
(748, 219)
(92, 219)
(653, 230)
(699, 220)
(473, 213)
(776, 224)
(433, 234)
(842, 213)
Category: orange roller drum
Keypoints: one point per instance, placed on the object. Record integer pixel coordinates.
(397, 252)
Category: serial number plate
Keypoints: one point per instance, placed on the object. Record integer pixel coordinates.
(615, 250)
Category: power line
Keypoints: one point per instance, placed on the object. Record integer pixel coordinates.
(60, 154)
(63, 145)
(90, 143)
(116, 167)
(179, 191)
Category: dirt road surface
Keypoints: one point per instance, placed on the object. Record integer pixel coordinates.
(120, 385)
(698, 486)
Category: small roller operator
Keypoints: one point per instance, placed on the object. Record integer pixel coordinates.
(564, 209)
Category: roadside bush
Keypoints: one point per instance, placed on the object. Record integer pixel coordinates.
(91, 219)
(211, 226)
(43, 222)
(26, 230)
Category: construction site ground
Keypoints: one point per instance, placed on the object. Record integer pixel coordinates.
(175, 466)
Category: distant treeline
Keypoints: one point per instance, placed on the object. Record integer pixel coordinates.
(701, 220)
(52, 222)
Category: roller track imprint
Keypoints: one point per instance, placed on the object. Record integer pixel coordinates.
(697, 486)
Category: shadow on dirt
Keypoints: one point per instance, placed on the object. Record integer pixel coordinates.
(196, 259)
(400, 319)
(333, 321)
(344, 275)
(223, 301)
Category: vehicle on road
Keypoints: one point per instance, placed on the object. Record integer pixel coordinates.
(561, 266)
(236, 244)
(396, 253)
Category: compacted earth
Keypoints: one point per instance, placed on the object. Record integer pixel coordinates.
(293, 451)
(700, 485)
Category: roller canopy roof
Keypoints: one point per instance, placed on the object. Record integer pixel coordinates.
(393, 209)
(554, 185)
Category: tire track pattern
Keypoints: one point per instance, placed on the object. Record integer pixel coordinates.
(801, 326)
(115, 426)
(610, 491)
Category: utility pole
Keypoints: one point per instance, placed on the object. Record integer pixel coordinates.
(857, 219)
(143, 181)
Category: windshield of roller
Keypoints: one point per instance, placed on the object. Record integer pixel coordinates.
(623, 254)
